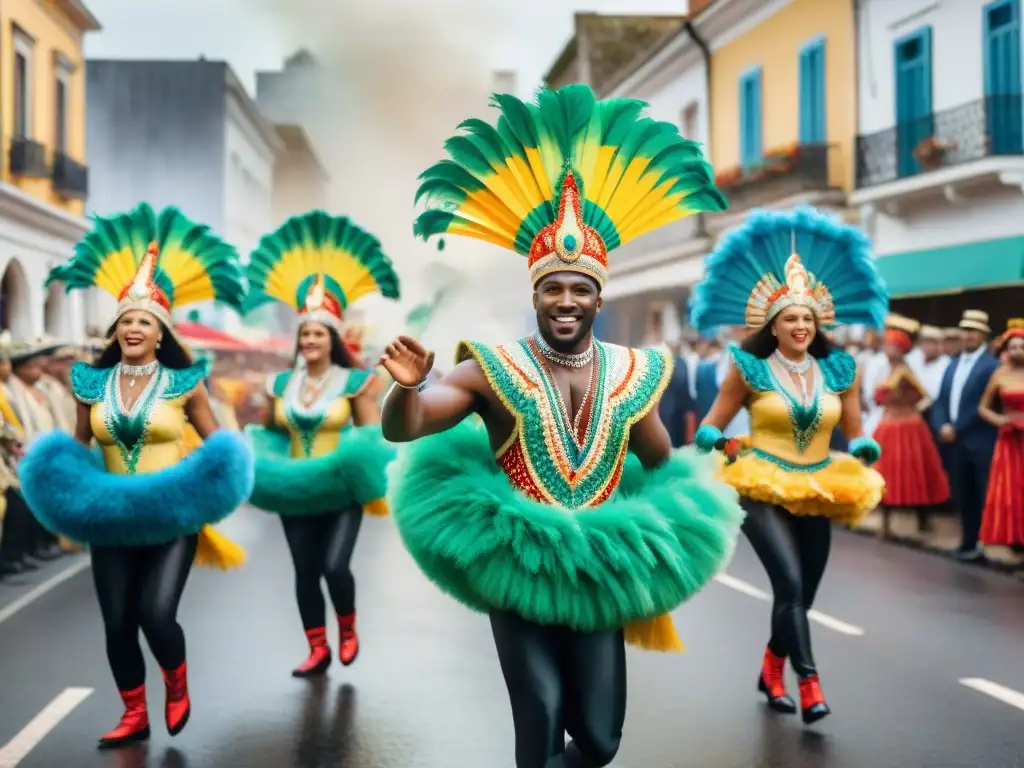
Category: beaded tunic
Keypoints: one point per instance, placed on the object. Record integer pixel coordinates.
(551, 458)
(315, 429)
(149, 436)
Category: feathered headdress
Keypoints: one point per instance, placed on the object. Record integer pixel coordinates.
(319, 264)
(564, 180)
(155, 263)
(776, 260)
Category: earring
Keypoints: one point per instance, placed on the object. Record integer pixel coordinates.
(158, 343)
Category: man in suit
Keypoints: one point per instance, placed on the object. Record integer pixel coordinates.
(971, 439)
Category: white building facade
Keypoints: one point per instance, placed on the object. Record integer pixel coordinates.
(940, 170)
(34, 238)
(651, 277)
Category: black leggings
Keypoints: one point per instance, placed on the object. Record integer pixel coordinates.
(141, 587)
(562, 681)
(321, 547)
(793, 550)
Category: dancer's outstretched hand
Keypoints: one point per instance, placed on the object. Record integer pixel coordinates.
(407, 361)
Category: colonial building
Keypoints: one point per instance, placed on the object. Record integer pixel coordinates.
(43, 174)
(182, 133)
(783, 103)
(940, 171)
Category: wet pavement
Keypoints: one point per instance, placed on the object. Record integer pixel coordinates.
(900, 630)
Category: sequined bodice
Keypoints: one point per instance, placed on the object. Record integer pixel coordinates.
(147, 437)
(315, 425)
(550, 458)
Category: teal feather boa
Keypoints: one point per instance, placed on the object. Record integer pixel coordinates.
(354, 473)
(657, 542)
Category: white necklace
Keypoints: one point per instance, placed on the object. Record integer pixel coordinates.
(134, 372)
(579, 360)
(799, 371)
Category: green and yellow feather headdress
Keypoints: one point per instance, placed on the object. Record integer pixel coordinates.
(319, 264)
(156, 263)
(564, 180)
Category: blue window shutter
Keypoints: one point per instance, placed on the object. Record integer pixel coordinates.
(925, 104)
(758, 108)
(751, 128)
(912, 58)
(744, 122)
(812, 93)
(1002, 54)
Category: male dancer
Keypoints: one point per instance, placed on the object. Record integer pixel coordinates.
(564, 584)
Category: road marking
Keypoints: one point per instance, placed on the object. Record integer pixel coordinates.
(36, 592)
(836, 625)
(995, 690)
(33, 733)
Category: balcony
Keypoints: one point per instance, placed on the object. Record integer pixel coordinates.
(963, 146)
(70, 178)
(785, 177)
(27, 158)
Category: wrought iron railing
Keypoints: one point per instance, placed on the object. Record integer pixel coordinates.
(992, 126)
(70, 178)
(27, 158)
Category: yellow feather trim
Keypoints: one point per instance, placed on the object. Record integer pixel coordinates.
(657, 634)
(215, 550)
(377, 508)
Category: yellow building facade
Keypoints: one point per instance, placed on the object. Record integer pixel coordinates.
(771, 43)
(42, 90)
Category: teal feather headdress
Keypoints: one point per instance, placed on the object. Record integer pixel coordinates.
(780, 259)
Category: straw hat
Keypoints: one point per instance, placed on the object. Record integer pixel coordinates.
(975, 320)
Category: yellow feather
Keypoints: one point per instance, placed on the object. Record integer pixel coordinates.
(481, 233)
(595, 186)
(540, 174)
(507, 189)
(527, 181)
(485, 209)
(116, 271)
(634, 187)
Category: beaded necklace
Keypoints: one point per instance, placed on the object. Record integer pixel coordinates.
(129, 427)
(306, 415)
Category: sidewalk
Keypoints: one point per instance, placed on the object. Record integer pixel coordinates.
(942, 538)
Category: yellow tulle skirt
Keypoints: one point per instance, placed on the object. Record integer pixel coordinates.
(845, 490)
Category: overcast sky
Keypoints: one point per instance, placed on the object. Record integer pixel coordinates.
(524, 35)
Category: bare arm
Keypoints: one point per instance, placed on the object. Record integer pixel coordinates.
(410, 414)
(850, 418)
(985, 407)
(364, 407)
(649, 440)
(731, 397)
(83, 427)
(199, 412)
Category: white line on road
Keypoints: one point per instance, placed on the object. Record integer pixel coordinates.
(33, 733)
(35, 593)
(836, 625)
(995, 690)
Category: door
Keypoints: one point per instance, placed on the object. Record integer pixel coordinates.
(1002, 77)
(914, 121)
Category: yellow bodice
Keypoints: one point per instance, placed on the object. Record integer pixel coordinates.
(163, 445)
(772, 432)
(327, 436)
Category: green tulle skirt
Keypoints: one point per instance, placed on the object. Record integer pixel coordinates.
(659, 540)
(355, 473)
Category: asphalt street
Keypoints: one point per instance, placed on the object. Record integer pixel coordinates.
(920, 660)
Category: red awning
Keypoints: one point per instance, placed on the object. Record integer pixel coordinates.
(203, 337)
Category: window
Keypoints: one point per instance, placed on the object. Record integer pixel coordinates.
(751, 132)
(690, 115)
(65, 69)
(1001, 23)
(812, 93)
(22, 84)
(914, 122)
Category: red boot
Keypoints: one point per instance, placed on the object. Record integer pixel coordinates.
(812, 700)
(134, 724)
(319, 658)
(773, 685)
(349, 642)
(178, 706)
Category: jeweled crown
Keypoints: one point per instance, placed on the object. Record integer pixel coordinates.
(770, 295)
(321, 305)
(143, 292)
(568, 244)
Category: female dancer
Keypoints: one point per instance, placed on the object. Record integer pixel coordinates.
(313, 469)
(146, 513)
(910, 462)
(787, 276)
(1002, 522)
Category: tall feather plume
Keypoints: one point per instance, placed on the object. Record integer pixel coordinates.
(501, 182)
(835, 253)
(287, 260)
(193, 264)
